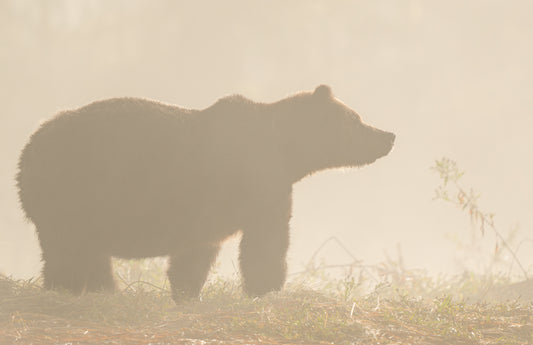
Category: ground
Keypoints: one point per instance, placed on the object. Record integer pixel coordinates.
(141, 314)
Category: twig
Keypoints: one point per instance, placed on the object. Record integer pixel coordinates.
(518, 248)
(129, 285)
(449, 172)
(146, 283)
(489, 221)
(365, 267)
(346, 250)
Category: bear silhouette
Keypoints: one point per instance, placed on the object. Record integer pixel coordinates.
(135, 178)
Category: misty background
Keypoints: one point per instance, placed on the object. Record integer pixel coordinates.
(449, 78)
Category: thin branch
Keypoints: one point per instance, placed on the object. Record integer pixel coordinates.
(489, 221)
(448, 171)
(346, 250)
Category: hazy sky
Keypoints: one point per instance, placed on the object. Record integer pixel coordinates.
(450, 78)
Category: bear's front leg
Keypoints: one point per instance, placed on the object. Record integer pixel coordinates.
(263, 251)
(188, 269)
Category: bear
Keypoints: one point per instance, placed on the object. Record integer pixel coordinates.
(136, 178)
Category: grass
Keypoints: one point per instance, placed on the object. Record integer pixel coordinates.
(404, 308)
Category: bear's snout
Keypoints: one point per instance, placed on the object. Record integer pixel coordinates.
(388, 141)
(391, 137)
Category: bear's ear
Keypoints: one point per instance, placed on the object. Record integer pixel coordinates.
(322, 91)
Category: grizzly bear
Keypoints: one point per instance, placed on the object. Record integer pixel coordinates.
(135, 178)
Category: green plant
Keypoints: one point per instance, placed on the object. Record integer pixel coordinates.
(452, 191)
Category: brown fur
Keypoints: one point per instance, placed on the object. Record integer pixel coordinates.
(135, 178)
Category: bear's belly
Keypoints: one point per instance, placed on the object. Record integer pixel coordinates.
(142, 239)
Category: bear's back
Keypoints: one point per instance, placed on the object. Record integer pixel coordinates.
(100, 151)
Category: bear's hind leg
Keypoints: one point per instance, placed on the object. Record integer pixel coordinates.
(99, 273)
(77, 272)
(72, 260)
(188, 270)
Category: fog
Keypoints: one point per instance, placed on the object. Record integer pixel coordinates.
(449, 78)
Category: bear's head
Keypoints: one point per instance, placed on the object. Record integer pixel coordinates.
(324, 133)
